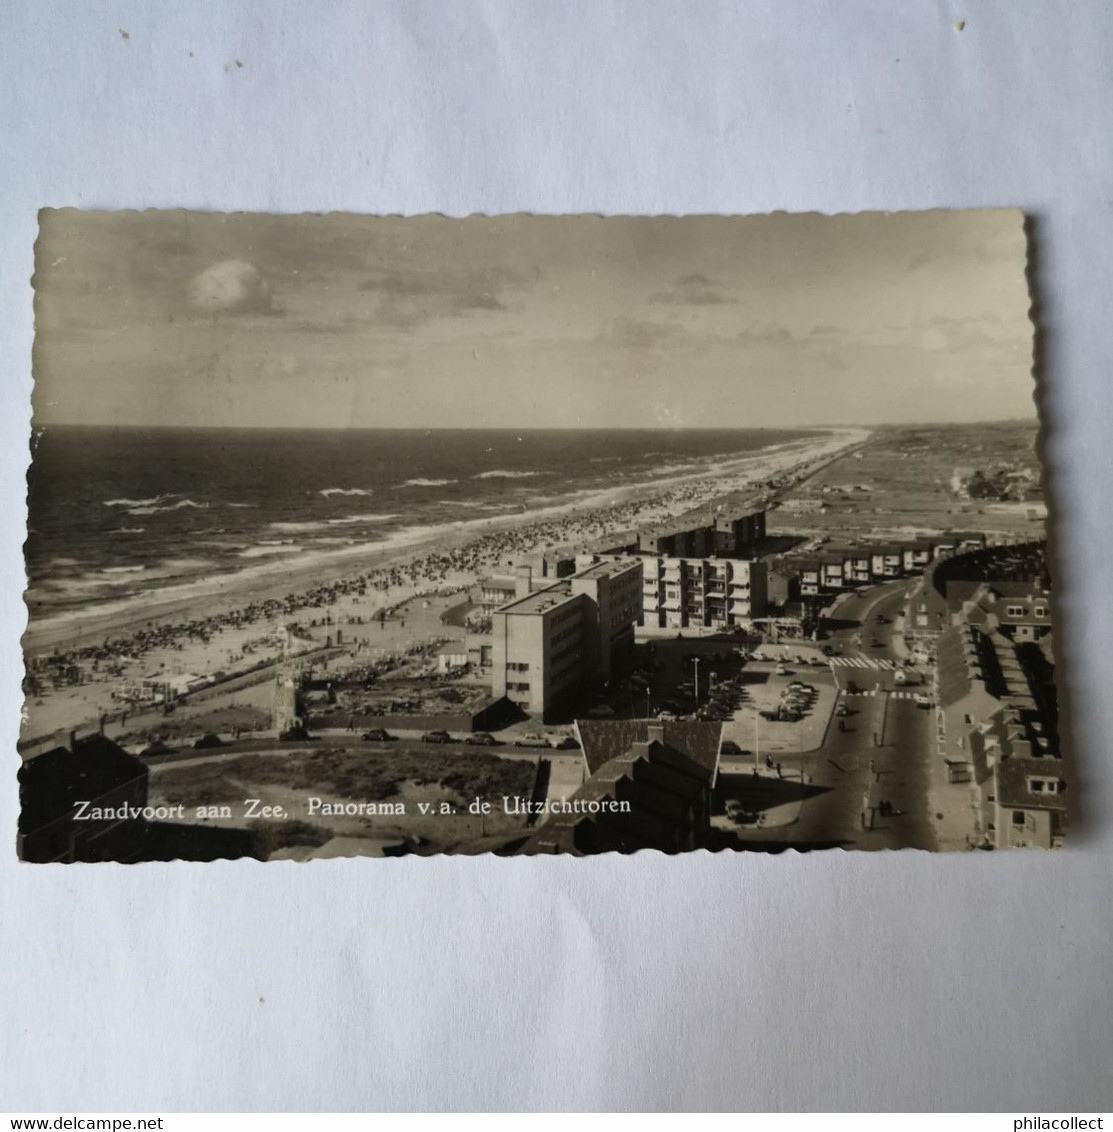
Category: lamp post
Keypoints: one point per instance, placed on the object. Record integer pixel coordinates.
(695, 661)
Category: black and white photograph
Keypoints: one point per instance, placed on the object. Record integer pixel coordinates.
(371, 536)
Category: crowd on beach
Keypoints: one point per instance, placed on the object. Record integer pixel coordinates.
(433, 572)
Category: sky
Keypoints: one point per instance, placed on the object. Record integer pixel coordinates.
(258, 320)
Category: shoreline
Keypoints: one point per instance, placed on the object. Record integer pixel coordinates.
(222, 593)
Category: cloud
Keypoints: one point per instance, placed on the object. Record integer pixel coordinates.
(765, 333)
(407, 300)
(692, 291)
(232, 287)
(635, 333)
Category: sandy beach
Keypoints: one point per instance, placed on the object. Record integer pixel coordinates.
(227, 622)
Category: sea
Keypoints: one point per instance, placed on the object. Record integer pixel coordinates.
(116, 511)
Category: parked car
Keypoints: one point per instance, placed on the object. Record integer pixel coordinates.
(781, 670)
(899, 676)
(852, 687)
(377, 735)
(531, 739)
(566, 743)
(437, 737)
(481, 739)
(295, 734)
(841, 709)
(922, 700)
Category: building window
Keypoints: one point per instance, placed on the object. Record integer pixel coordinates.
(1018, 817)
(1040, 611)
(1036, 786)
(1015, 610)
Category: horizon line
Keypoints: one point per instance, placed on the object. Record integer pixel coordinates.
(42, 427)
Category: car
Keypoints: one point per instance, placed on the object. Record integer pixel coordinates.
(842, 709)
(735, 810)
(481, 739)
(922, 701)
(814, 660)
(566, 743)
(827, 650)
(852, 687)
(899, 676)
(531, 739)
(437, 737)
(295, 734)
(376, 735)
(781, 670)
(729, 747)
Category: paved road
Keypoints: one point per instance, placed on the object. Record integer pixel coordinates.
(882, 751)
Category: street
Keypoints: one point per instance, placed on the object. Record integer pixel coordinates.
(866, 784)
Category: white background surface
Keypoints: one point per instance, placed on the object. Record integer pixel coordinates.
(830, 981)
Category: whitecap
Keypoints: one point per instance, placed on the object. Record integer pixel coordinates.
(155, 509)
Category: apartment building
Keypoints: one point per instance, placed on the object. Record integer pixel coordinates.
(551, 643)
(726, 534)
(713, 593)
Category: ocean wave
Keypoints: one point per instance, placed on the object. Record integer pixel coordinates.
(327, 491)
(153, 501)
(422, 482)
(471, 505)
(156, 509)
(123, 569)
(313, 525)
(260, 551)
(295, 527)
(360, 519)
(127, 531)
(501, 474)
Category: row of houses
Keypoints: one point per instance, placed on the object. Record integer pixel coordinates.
(839, 568)
(987, 615)
(997, 727)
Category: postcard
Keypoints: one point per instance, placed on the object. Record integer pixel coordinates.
(370, 536)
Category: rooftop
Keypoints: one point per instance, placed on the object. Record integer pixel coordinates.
(607, 739)
(540, 601)
(1012, 784)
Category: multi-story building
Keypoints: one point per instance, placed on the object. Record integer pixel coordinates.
(714, 593)
(550, 643)
(491, 592)
(729, 534)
